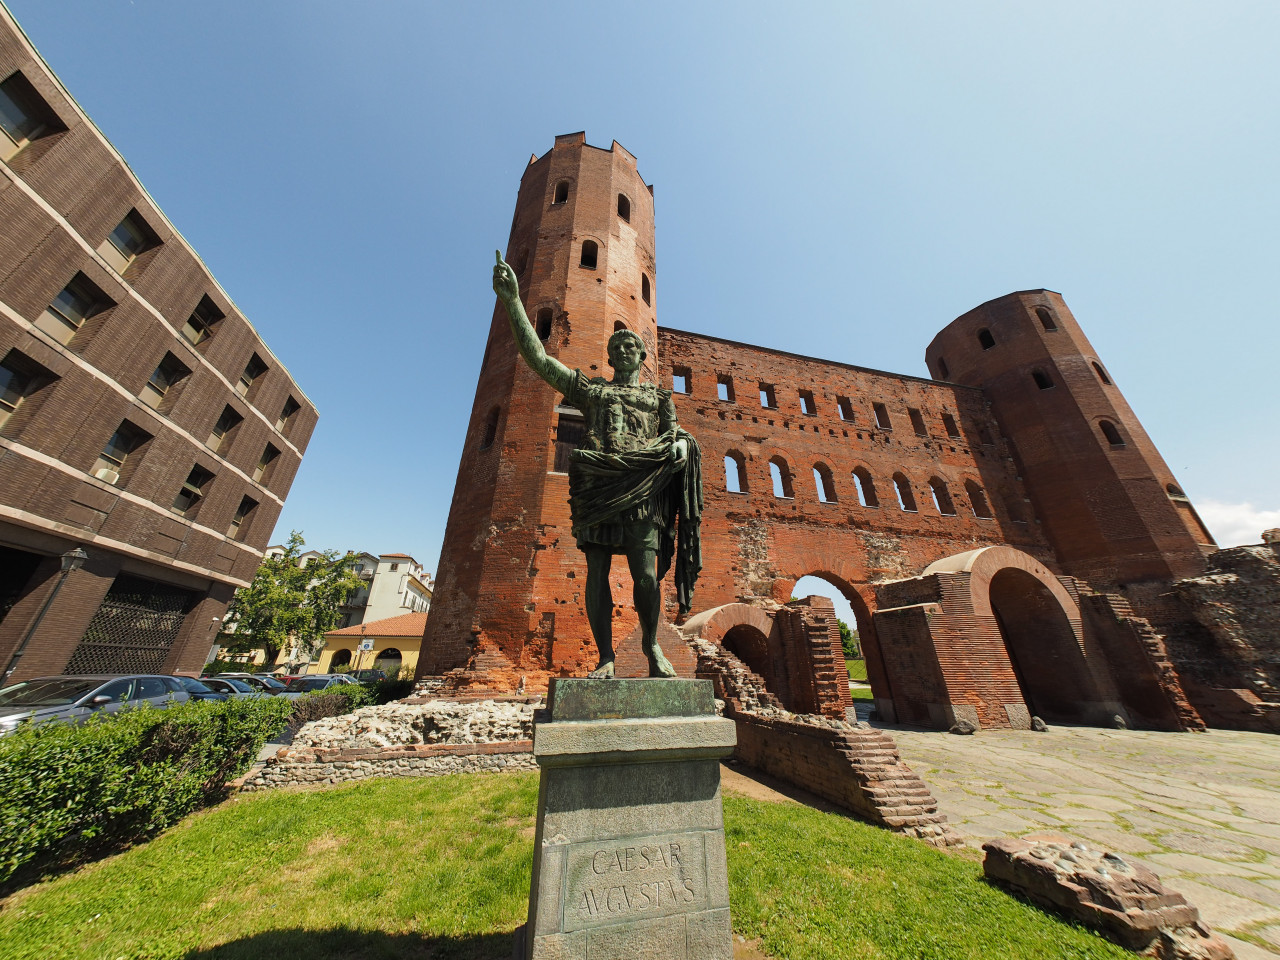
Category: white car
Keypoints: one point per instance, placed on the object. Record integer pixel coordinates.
(233, 688)
(76, 699)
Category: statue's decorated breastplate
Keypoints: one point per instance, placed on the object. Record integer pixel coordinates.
(622, 418)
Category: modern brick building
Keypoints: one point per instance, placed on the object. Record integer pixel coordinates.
(1008, 536)
(142, 419)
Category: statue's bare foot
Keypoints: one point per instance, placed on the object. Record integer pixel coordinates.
(659, 665)
(602, 672)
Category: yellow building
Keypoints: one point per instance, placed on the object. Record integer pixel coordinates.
(392, 645)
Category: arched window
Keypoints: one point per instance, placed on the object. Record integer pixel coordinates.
(590, 251)
(735, 472)
(340, 658)
(1173, 491)
(618, 325)
(1046, 318)
(1042, 379)
(522, 262)
(906, 499)
(1102, 374)
(562, 192)
(543, 324)
(866, 487)
(645, 293)
(1111, 433)
(985, 339)
(624, 207)
(943, 372)
(941, 497)
(824, 483)
(490, 429)
(978, 500)
(781, 475)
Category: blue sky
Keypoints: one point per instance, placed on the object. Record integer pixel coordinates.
(840, 180)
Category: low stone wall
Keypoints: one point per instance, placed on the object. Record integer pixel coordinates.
(315, 765)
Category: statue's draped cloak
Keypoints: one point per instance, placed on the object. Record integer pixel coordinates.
(625, 492)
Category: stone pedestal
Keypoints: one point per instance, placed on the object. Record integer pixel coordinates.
(629, 861)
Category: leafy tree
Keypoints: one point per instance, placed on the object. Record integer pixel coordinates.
(849, 641)
(289, 605)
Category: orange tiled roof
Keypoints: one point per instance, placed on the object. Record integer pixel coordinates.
(405, 625)
(404, 555)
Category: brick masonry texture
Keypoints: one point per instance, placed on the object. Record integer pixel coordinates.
(60, 197)
(1007, 534)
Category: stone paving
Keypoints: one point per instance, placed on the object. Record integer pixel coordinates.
(1200, 809)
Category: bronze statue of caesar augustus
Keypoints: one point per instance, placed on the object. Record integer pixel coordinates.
(635, 482)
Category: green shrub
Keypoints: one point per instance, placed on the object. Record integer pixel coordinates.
(393, 688)
(66, 790)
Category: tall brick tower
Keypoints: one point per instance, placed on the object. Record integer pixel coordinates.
(1108, 503)
(582, 245)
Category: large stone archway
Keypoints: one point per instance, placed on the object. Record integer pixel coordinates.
(986, 636)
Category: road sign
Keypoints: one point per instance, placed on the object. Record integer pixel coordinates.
(366, 644)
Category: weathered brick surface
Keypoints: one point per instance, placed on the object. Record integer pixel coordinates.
(60, 197)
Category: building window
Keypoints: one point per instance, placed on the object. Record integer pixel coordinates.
(824, 483)
(681, 380)
(570, 429)
(239, 527)
(978, 500)
(17, 380)
(618, 325)
(882, 416)
(624, 208)
(941, 497)
(543, 325)
(984, 436)
(906, 499)
(490, 429)
(1046, 318)
(263, 468)
(1102, 374)
(645, 291)
(845, 407)
(866, 487)
(199, 326)
(767, 398)
(562, 192)
(724, 387)
(24, 116)
(780, 473)
(192, 492)
(1111, 433)
(79, 300)
(287, 413)
(126, 440)
(917, 422)
(253, 371)
(158, 392)
(806, 403)
(735, 472)
(394, 567)
(522, 262)
(130, 238)
(1042, 379)
(220, 437)
(985, 339)
(949, 424)
(943, 372)
(590, 253)
(1015, 508)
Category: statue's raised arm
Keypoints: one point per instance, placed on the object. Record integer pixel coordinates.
(507, 287)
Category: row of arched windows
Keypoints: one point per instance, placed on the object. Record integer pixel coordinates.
(735, 470)
(561, 195)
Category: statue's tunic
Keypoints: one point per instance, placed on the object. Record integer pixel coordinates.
(625, 492)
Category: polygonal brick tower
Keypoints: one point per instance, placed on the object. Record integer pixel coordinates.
(1108, 503)
(509, 583)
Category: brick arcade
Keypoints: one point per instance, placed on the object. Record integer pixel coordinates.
(1008, 536)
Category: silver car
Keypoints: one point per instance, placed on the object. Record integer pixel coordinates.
(76, 699)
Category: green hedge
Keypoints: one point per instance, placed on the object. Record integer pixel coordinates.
(66, 791)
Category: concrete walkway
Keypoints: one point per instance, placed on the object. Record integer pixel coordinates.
(1200, 809)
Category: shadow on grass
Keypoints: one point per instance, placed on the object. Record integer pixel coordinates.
(341, 943)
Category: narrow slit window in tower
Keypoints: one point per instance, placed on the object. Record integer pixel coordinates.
(1111, 433)
(490, 429)
(624, 208)
(1102, 374)
(562, 192)
(1042, 379)
(1046, 318)
(985, 339)
(543, 325)
(645, 293)
(590, 252)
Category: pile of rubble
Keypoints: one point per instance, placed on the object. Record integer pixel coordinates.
(436, 721)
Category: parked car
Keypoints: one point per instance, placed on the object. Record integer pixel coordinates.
(317, 681)
(76, 699)
(199, 691)
(264, 684)
(368, 676)
(234, 689)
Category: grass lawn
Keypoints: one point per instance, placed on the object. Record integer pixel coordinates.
(439, 868)
(857, 670)
(861, 693)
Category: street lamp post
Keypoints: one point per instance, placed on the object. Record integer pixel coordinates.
(71, 560)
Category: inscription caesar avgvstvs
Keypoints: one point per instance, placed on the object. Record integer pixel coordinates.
(612, 883)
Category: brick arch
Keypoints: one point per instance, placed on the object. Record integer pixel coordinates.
(713, 624)
(984, 563)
